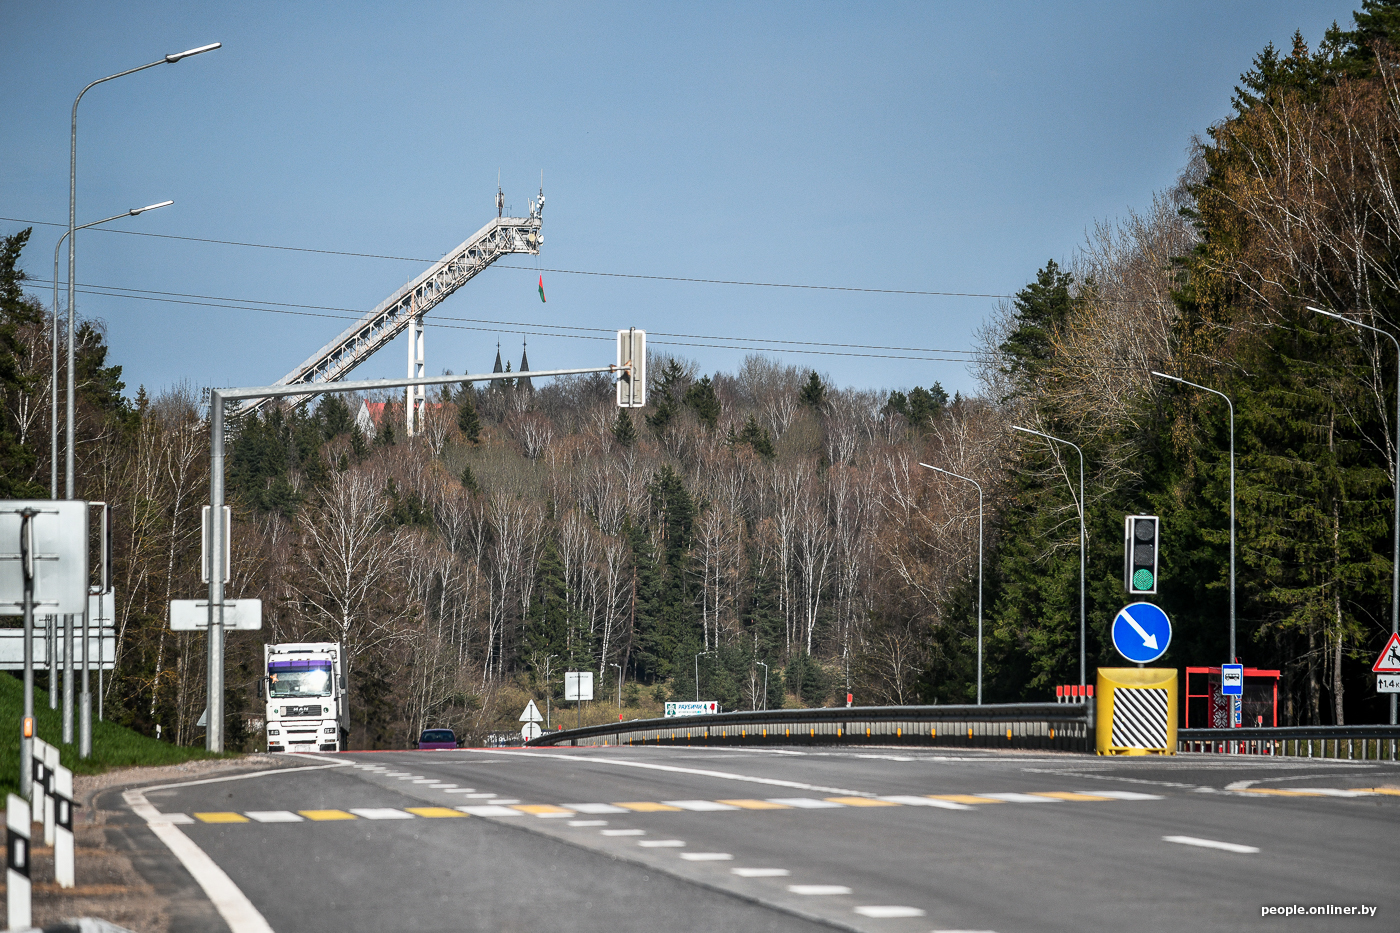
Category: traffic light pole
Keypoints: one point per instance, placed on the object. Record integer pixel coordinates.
(214, 733)
(1233, 656)
(1083, 667)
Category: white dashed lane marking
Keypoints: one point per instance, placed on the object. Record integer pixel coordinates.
(707, 856)
(661, 843)
(594, 808)
(490, 810)
(699, 805)
(761, 872)
(887, 912)
(624, 832)
(274, 816)
(804, 803)
(588, 822)
(818, 890)
(380, 813)
(1211, 844)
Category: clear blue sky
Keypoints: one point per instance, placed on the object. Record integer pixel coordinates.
(934, 146)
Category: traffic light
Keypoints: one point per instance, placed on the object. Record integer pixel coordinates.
(1140, 553)
(632, 381)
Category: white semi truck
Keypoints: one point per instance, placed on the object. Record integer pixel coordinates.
(306, 702)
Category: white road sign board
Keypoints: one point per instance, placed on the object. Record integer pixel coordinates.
(60, 556)
(578, 685)
(531, 714)
(531, 730)
(689, 708)
(192, 615)
(1388, 683)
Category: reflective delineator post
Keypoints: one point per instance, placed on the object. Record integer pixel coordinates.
(51, 765)
(17, 887)
(63, 830)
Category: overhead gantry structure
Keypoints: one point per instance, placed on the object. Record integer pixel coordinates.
(404, 309)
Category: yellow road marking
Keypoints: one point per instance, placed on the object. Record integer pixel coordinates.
(435, 812)
(1067, 795)
(1393, 792)
(539, 808)
(861, 802)
(326, 814)
(756, 804)
(642, 807)
(1280, 792)
(221, 817)
(963, 798)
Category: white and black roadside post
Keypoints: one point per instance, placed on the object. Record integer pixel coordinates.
(17, 887)
(63, 871)
(38, 782)
(51, 765)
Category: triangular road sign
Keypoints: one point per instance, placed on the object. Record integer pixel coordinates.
(531, 714)
(1389, 661)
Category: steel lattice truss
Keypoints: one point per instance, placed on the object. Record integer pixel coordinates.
(501, 237)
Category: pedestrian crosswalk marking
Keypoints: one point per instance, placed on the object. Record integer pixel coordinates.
(755, 804)
(221, 817)
(436, 813)
(861, 802)
(644, 807)
(543, 809)
(965, 798)
(324, 815)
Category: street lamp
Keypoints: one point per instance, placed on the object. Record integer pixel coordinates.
(1395, 557)
(1061, 440)
(979, 568)
(53, 429)
(72, 228)
(1232, 495)
(51, 636)
(765, 683)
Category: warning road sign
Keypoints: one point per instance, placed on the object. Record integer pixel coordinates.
(531, 714)
(1389, 661)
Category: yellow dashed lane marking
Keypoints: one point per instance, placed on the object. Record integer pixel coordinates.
(756, 804)
(861, 802)
(1280, 792)
(644, 807)
(221, 817)
(963, 798)
(435, 812)
(326, 814)
(1066, 795)
(538, 809)
(1393, 792)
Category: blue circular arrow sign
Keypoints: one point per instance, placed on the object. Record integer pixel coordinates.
(1141, 633)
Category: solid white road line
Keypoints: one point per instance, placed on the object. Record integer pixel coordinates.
(886, 912)
(1211, 844)
(232, 904)
(818, 890)
(761, 872)
(273, 816)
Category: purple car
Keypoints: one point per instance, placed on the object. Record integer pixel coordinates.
(437, 738)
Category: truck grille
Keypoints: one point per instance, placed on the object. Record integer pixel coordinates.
(303, 710)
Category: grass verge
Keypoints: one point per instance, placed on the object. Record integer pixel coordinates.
(113, 746)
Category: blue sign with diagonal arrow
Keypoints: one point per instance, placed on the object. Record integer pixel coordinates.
(1141, 633)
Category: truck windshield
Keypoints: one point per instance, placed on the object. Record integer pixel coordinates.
(300, 678)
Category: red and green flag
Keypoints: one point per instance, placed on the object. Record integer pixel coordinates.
(541, 288)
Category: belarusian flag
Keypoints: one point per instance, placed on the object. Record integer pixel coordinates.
(541, 288)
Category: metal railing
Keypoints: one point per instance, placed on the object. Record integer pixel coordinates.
(1060, 726)
(1357, 743)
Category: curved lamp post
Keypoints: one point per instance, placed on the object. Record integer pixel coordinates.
(72, 228)
(979, 567)
(1061, 440)
(1395, 557)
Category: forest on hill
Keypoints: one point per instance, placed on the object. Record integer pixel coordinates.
(767, 526)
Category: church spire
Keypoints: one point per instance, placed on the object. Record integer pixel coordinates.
(524, 382)
(497, 368)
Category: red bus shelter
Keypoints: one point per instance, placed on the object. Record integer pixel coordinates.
(1210, 709)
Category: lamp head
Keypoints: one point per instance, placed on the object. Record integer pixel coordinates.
(172, 59)
(149, 207)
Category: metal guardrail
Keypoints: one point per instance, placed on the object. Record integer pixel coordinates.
(1061, 726)
(1357, 743)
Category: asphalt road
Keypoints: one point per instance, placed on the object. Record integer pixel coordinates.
(681, 839)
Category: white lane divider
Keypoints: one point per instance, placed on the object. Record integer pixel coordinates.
(1022, 798)
(661, 843)
(818, 890)
(699, 805)
(490, 810)
(1116, 794)
(888, 911)
(761, 872)
(273, 816)
(588, 822)
(911, 801)
(595, 808)
(460, 790)
(707, 856)
(805, 803)
(380, 813)
(624, 832)
(1211, 844)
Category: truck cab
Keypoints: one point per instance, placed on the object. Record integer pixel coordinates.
(304, 686)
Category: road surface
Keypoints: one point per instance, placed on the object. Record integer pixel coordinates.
(707, 839)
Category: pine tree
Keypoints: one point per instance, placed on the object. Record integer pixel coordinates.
(1040, 310)
(467, 420)
(16, 460)
(666, 405)
(469, 480)
(702, 400)
(813, 393)
(758, 439)
(623, 430)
